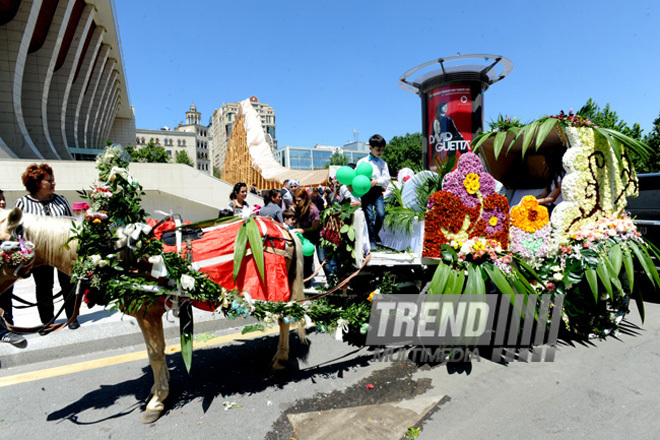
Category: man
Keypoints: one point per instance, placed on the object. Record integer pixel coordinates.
(253, 189)
(290, 187)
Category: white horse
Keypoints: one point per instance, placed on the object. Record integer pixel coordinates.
(49, 234)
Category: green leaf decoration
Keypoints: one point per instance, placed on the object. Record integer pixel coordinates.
(240, 249)
(630, 269)
(344, 229)
(439, 280)
(616, 258)
(593, 281)
(351, 233)
(528, 134)
(646, 262)
(640, 148)
(498, 278)
(545, 129)
(604, 275)
(499, 142)
(480, 139)
(256, 245)
(614, 145)
(186, 328)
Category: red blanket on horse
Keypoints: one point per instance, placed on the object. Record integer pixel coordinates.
(213, 254)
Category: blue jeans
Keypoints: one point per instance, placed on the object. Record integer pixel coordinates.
(374, 213)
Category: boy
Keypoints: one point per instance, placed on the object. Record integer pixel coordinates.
(373, 203)
(289, 217)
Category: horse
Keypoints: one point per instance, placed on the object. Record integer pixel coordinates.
(50, 234)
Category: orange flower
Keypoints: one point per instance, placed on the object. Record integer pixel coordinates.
(529, 215)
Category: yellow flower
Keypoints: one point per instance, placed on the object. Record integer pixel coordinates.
(492, 221)
(96, 220)
(471, 183)
(371, 295)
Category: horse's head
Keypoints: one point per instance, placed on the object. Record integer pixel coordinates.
(9, 223)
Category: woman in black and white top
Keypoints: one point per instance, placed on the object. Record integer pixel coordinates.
(39, 181)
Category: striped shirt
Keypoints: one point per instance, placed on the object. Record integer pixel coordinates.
(57, 207)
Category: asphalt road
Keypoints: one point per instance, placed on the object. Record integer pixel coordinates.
(593, 390)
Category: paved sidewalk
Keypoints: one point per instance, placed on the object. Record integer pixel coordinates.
(99, 330)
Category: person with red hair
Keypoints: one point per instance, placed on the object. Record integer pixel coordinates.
(39, 181)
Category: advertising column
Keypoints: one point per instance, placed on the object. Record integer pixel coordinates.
(453, 116)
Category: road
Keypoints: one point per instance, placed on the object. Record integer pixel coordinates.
(594, 390)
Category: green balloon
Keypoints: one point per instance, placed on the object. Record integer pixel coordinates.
(361, 185)
(308, 248)
(345, 175)
(364, 169)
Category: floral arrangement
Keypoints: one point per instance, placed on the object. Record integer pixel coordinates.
(573, 120)
(530, 230)
(467, 207)
(596, 183)
(595, 269)
(16, 253)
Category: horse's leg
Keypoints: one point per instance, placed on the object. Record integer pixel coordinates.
(282, 354)
(151, 324)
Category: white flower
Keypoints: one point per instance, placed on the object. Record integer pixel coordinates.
(95, 259)
(187, 282)
(558, 276)
(103, 263)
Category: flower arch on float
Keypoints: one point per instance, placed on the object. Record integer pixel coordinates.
(595, 185)
(466, 208)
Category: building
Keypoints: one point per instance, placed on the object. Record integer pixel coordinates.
(63, 89)
(203, 146)
(318, 157)
(223, 120)
(191, 137)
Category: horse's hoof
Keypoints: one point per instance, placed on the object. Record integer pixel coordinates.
(150, 416)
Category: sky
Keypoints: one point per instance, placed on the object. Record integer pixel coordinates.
(331, 69)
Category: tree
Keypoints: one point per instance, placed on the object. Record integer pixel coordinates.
(338, 158)
(404, 151)
(217, 173)
(148, 153)
(652, 164)
(182, 157)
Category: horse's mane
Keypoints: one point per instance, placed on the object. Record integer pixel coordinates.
(49, 235)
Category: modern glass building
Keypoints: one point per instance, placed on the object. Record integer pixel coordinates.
(317, 157)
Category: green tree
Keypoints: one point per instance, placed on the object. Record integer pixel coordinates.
(337, 158)
(148, 153)
(404, 151)
(182, 157)
(652, 164)
(217, 173)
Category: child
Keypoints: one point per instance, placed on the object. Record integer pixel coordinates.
(373, 203)
(289, 217)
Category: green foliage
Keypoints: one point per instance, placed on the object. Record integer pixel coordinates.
(652, 163)
(338, 158)
(404, 151)
(182, 157)
(217, 173)
(148, 153)
(504, 123)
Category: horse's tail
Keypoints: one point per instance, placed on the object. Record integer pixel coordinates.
(297, 285)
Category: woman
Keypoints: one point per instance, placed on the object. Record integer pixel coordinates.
(308, 219)
(39, 181)
(272, 207)
(237, 197)
(317, 200)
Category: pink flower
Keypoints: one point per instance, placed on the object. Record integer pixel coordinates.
(550, 286)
